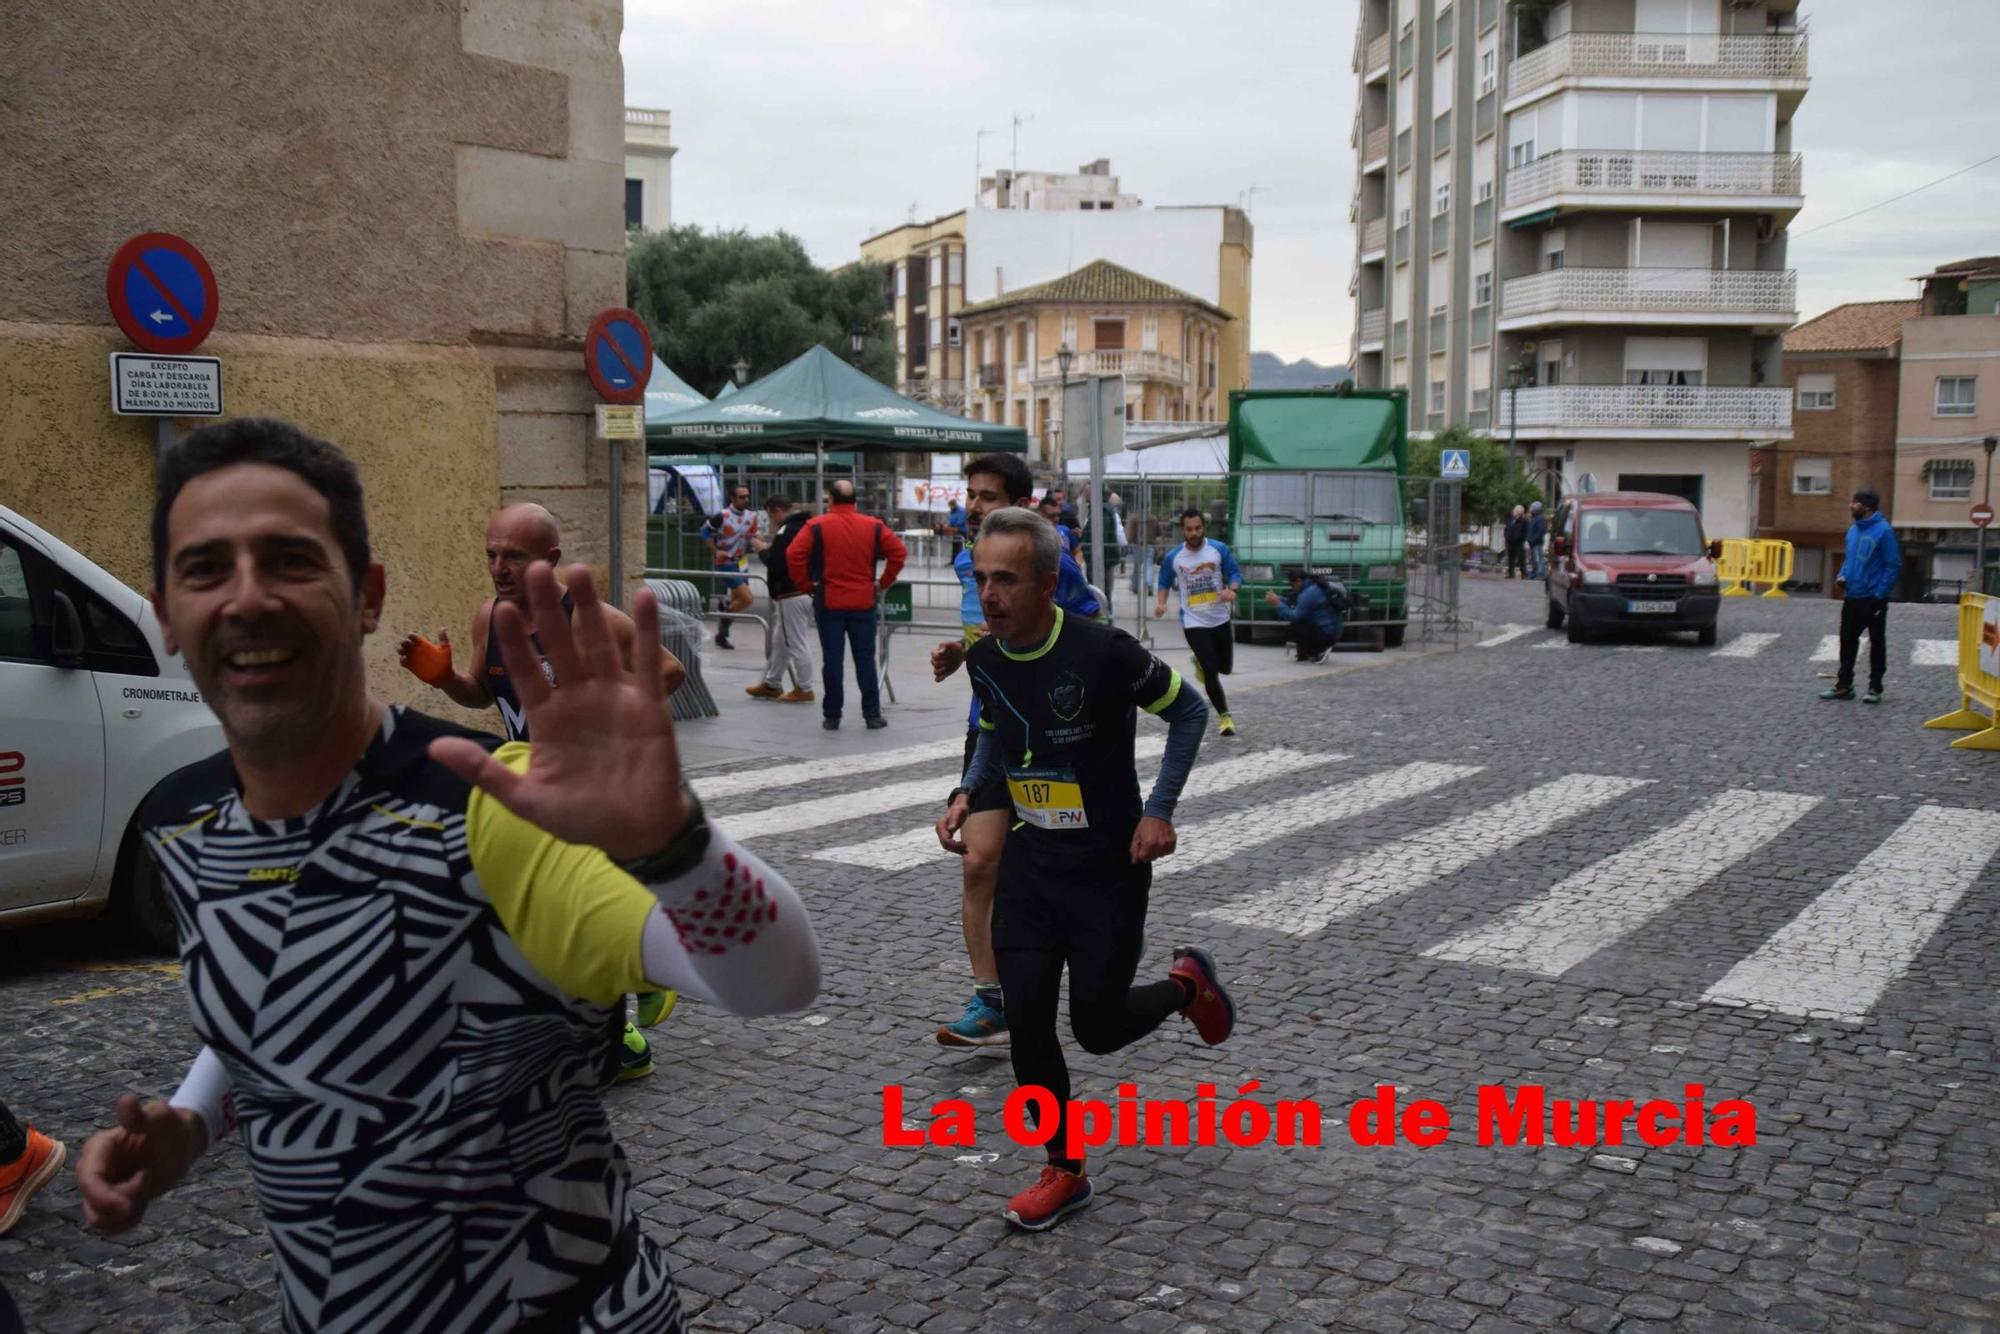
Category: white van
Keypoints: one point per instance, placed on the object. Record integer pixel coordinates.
(94, 712)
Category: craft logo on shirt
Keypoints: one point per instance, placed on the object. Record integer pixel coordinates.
(1066, 696)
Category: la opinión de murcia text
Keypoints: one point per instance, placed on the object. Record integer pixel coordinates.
(1502, 1116)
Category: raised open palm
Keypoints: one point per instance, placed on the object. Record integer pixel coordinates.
(603, 769)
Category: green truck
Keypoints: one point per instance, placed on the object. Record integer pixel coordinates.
(1316, 481)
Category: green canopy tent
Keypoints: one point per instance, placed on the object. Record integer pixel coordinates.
(815, 399)
(667, 393)
(728, 388)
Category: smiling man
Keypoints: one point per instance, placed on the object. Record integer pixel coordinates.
(401, 945)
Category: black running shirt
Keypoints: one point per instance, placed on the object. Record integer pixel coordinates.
(501, 686)
(1064, 714)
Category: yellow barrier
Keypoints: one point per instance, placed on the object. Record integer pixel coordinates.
(1733, 569)
(1770, 563)
(1978, 675)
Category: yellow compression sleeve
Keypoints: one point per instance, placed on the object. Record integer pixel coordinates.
(577, 917)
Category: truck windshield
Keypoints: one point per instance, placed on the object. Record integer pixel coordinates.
(1639, 532)
(1355, 497)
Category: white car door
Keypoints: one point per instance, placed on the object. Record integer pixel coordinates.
(51, 744)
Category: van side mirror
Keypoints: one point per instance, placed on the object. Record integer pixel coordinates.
(68, 639)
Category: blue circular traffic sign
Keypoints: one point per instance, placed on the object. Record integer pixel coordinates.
(162, 293)
(618, 356)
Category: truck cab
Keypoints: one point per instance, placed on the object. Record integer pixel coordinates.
(94, 712)
(1632, 560)
(1316, 482)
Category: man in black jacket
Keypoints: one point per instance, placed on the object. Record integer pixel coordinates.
(791, 610)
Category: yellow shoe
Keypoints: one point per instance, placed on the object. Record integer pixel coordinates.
(1226, 724)
(635, 1057)
(655, 1006)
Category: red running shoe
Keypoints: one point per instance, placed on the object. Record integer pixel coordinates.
(20, 1179)
(1211, 1012)
(1054, 1194)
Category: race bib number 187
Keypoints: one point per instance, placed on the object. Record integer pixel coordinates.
(1048, 798)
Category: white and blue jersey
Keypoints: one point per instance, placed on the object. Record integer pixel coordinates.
(1201, 575)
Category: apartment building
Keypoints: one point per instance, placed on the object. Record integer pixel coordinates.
(926, 292)
(1570, 231)
(649, 168)
(1089, 188)
(1844, 375)
(1948, 408)
(1166, 343)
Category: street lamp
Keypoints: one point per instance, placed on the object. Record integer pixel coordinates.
(1979, 561)
(1515, 374)
(739, 369)
(856, 340)
(1065, 354)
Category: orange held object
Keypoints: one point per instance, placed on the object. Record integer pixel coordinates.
(428, 662)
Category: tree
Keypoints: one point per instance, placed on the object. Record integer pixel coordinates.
(1496, 483)
(709, 298)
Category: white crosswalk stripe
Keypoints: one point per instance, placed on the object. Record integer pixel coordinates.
(1305, 905)
(1606, 902)
(801, 815)
(1836, 958)
(1222, 837)
(800, 772)
(1506, 634)
(917, 847)
(1746, 645)
(1934, 653)
(1554, 641)
(1828, 650)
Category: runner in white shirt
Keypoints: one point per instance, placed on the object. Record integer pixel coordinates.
(1206, 574)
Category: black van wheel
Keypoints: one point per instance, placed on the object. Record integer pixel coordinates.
(139, 899)
(1392, 635)
(1555, 615)
(1705, 636)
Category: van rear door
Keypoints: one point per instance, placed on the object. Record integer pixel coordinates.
(51, 742)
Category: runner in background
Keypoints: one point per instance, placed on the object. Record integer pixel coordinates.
(992, 482)
(516, 537)
(728, 537)
(1206, 574)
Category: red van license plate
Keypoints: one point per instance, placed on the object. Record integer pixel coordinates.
(1649, 606)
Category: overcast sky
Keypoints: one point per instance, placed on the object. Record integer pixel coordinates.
(831, 120)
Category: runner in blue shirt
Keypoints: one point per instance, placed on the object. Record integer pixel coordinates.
(1206, 574)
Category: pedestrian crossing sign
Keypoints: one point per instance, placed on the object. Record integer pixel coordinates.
(1457, 463)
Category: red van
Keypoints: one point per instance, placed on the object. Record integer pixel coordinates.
(1631, 560)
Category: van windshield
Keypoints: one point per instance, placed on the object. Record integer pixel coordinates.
(1281, 497)
(1639, 532)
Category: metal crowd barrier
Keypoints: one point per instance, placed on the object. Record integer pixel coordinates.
(1978, 675)
(681, 634)
(1748, 561)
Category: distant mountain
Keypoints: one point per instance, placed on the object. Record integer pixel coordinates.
(1273, 372)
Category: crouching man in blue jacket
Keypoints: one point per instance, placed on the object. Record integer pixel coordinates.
(1867, 577)
(1313, 610)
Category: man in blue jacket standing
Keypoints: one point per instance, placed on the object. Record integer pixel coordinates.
(1868, 575)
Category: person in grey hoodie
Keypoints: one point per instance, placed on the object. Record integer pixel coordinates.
(1867, 577)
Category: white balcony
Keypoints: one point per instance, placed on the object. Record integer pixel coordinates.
(1750, 298)
(1130, 364)
(1683, 60)
(1639, 178)
(1653, 412)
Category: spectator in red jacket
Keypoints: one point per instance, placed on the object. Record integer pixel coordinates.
(834, 557)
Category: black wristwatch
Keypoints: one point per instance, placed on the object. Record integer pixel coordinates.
(956, 793)
(678, 857)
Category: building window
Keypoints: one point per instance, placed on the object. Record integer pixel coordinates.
(1482, 288)
(1957, 395)
(1481, 399)
(955, 268)
(1444, 27)
(635, 202)
(902, 280)
(1815, 393)
(954, 332)
(1950, 479)
(1441, 202)
(902, 340)
(1812, 477)
(1486, 76)
(1521, 154)
(1437, 395)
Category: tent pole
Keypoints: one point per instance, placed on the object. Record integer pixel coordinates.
(819, 467)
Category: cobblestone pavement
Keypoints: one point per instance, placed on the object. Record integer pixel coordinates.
(1656, 868)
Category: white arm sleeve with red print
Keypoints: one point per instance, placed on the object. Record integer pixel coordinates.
(733, 932)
